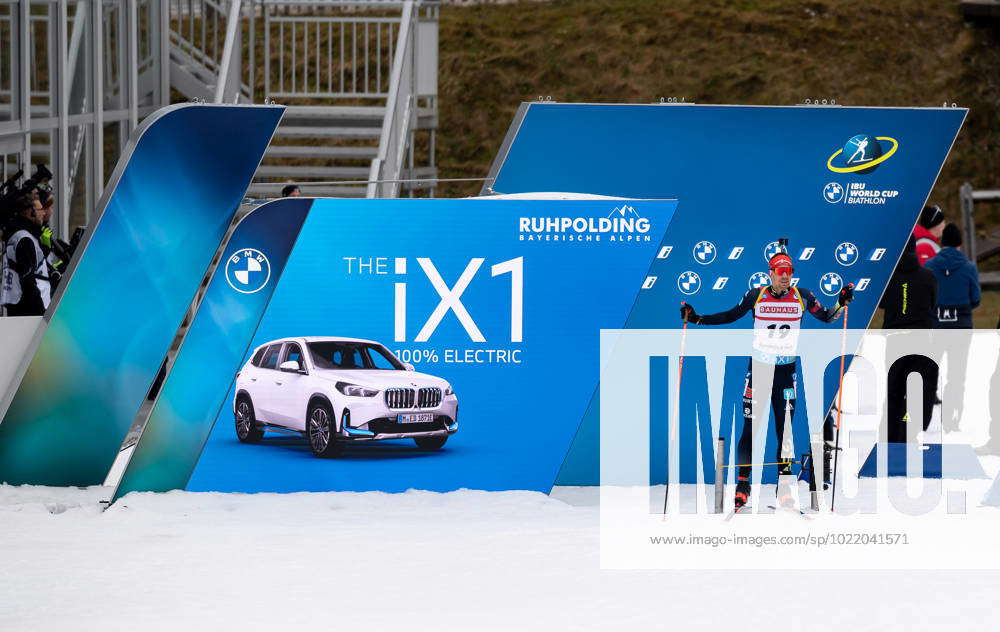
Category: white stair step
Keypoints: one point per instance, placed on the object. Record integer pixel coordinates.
(321, 151)
(370, 113)
(309, 171)
(327, 132)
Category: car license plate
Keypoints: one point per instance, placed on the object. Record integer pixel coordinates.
(415, 418)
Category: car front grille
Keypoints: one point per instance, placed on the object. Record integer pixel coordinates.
(399, 397)
(429, 398)
(402, 398)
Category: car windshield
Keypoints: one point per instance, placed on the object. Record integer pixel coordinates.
(353, 355)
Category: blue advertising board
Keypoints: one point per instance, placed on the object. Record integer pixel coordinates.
(498, 304)
(191, 397)
(844, 184)
(497, 301)
(162, 217)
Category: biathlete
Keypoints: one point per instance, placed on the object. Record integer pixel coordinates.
(777, 313)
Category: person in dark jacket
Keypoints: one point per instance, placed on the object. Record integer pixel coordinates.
(909, 303)
(25, 289)
(958, 295)
(958, 282)
(910, 299)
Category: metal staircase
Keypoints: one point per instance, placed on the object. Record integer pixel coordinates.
(359, 79)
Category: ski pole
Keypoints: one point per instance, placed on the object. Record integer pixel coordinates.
(840, 407)
(673, 428)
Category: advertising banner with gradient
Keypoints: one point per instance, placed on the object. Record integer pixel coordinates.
(496, 304)
(844, 184)
(167, 208)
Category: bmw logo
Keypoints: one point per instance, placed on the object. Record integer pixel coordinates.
(689, 282)
(831, 284)
(704, 252)
(833, 192)
(759, 280)
(772, 249)
(247, 270)
(846, 254)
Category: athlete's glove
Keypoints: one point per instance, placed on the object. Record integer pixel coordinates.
(688, 313)
(46, 237)
(846, 295)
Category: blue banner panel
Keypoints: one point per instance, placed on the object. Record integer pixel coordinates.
(497, 304)
(192, 394)
(170, 203)
(844, 185)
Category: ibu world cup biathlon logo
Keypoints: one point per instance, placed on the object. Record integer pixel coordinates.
(248, 270)
(689, 282)
(846, 254)
(862, 153)
(833, 192)
(831, 284)
(704, 252)
(759, 280)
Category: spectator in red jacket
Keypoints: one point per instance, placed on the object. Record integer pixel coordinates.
(928, 231)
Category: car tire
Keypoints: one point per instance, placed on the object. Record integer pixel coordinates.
(430, 443)
(321, 429)
(246, 422)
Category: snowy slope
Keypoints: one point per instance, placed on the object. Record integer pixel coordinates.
(418, 561)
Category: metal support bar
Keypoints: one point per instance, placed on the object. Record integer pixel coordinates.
(267, 52)
(228, 57)
(97, 75)
(75, 40)
(720, 474)
(61, 171)
(164, 61)
(132, 37)
(24, 81)
(969, 223)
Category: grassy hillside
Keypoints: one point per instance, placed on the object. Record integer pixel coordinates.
(891, 52)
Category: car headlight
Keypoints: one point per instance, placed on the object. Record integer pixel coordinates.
(353, 390)
(448, 391)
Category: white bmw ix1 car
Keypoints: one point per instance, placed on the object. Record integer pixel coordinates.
(340, 390)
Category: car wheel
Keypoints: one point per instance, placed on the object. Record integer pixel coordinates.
(430, 443)
(246, 424)
(321, 429)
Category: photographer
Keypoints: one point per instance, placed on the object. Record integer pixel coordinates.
(56, 251)
(25, 288)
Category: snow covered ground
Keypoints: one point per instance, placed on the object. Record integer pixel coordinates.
(465, 560)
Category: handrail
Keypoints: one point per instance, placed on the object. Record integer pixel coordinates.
(232, 24)
(395, 128)
(390, 4)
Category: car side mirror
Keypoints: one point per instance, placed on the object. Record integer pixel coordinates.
(290, 366)
(408, 366)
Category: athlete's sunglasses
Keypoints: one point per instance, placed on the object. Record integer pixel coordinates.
(784, 270)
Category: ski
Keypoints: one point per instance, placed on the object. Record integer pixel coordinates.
(804, 515)
(736, 511)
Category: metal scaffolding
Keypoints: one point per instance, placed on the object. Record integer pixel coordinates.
(76, 77)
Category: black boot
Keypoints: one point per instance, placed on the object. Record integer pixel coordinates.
(742, 492)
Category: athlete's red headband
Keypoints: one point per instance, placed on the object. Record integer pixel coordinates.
(780, 260)
(780, 263)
